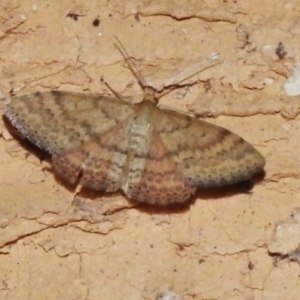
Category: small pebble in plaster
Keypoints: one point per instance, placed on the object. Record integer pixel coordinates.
(2, 96)
(168, 296)
(292, 84)
(285, 242)
(280, 51)
(269, 81)
(23, 17)
(214, 55)
(96, 22)
(34, 7)
(160, 219)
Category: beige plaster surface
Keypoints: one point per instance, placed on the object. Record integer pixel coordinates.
(58, 244)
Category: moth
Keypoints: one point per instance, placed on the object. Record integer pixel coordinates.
(154, 156)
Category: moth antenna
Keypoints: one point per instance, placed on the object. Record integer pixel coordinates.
(188, 69)
(137, 74)
(149, 92)
(174, 85)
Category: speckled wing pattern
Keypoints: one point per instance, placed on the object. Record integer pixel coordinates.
(155, 156)
(180, 154)
(85, 134)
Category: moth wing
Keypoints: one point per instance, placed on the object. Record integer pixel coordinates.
(185, 153)
(85, 133)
